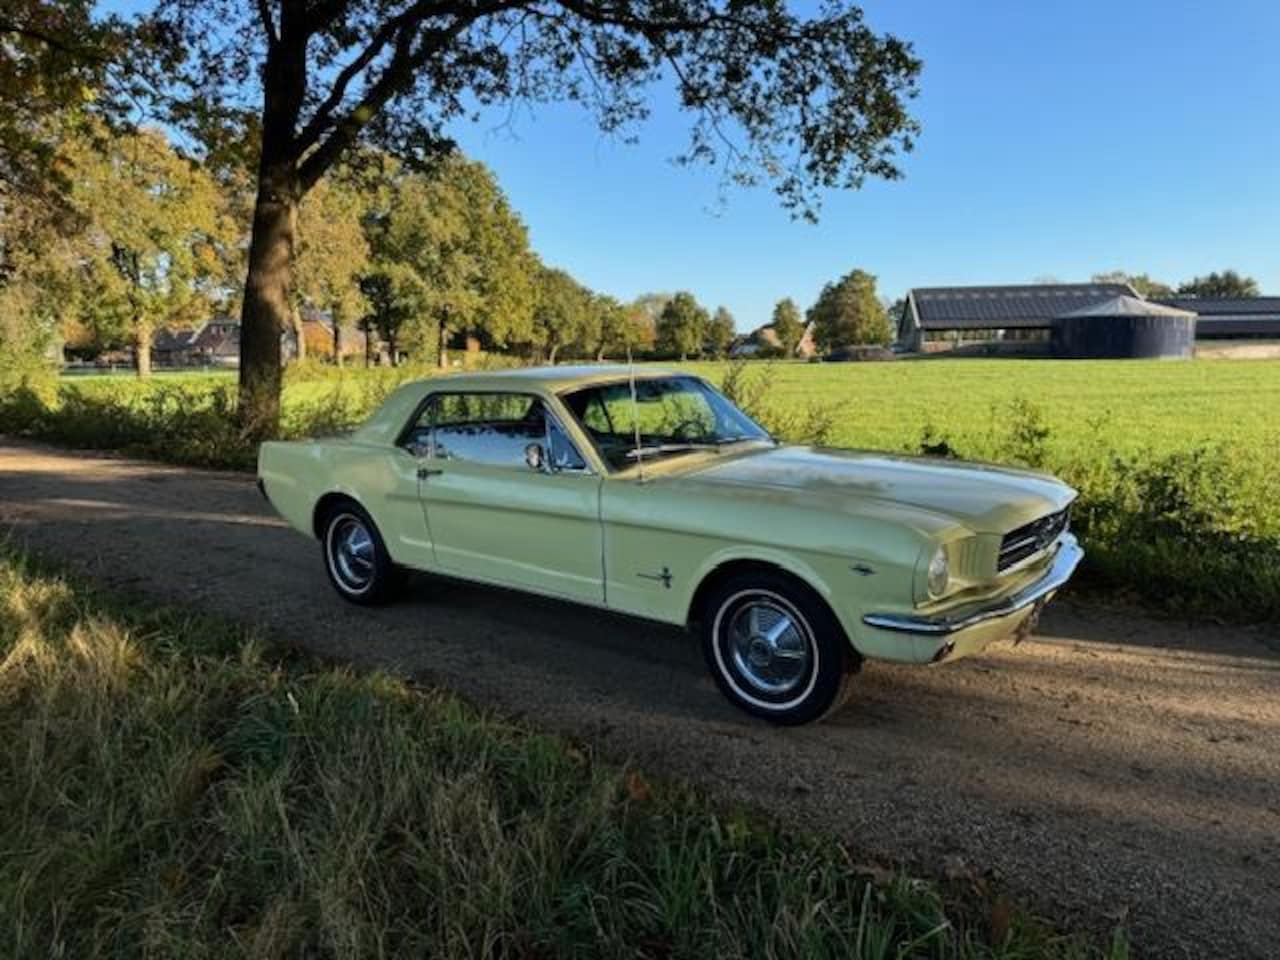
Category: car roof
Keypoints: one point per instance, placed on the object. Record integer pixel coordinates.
(386, 423)
(554, 379)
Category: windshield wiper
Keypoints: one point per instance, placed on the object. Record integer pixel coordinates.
(661, 448)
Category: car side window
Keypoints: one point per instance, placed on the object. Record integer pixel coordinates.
(564, 455)
(493, 429)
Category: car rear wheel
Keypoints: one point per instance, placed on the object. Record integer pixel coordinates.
(356, 559)
(774, 648)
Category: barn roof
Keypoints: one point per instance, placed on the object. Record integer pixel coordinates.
(1232, 316)
(1126, 306)
(1220, 306)
(174, 340)
(996, 307)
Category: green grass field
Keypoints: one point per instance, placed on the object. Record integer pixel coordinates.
(1174, 461)
(1122, 405)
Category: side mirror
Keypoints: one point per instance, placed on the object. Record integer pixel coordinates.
(536, 458)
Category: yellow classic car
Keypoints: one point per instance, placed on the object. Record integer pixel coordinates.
(648, 492)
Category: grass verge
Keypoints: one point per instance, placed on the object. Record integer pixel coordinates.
(173, 787)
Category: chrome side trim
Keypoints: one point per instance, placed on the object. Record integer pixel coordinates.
(1064, 565)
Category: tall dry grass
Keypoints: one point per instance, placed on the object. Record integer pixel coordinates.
(171, 788)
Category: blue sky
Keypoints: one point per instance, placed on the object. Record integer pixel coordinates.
(1059, 140)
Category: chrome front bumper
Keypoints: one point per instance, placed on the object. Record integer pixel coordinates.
(1068, 557)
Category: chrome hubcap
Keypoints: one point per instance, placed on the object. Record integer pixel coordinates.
(351, 547)
(770, 650)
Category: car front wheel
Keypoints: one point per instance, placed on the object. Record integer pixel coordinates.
(356, 559)
(774, 648)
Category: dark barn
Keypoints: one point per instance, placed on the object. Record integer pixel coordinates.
(1235, 318)
(1125, 328)
(1010, 319)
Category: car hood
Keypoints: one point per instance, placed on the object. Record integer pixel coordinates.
(985, 499)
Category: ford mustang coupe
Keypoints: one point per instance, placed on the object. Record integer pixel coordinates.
(651, 494)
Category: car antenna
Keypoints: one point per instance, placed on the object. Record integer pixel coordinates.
(635, 414)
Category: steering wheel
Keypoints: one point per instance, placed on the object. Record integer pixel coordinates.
(678, 431)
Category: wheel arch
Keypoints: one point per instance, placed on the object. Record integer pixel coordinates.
(721, 567)
(326, 504)
(724, 566)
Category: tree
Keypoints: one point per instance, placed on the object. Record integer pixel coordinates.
(562, 313)
(649, 307)
(394, 296)
(682, 326)
(849, 313)
(893, 312)
(623, 328)
(1141, 283)
(470, 251)
(810, 103)
(1225, 285)
(720, 333)
(787, 326)
(332, 253)
(154, 223)
(57, 65)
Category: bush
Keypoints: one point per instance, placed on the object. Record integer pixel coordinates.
(748, 386)
(1196, 532)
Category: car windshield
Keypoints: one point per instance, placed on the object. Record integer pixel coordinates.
(676, 415)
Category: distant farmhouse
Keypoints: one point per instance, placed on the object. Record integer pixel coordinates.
(1112, 319)
(763, 341)
(216, 343)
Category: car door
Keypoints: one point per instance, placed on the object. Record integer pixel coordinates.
(500, 512)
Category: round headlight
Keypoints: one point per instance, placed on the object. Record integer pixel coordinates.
(939, 576)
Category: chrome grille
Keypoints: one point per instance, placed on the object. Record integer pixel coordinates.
(1031, 539)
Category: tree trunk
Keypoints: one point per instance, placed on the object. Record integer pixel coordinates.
(142, 348)
(266, 305)
(299, 332)
(442, 360)
(391, 349)
(335, 315)
(551, 359)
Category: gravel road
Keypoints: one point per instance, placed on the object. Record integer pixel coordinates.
(1113, 766)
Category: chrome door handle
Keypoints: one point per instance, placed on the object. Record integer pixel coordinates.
(425, 472)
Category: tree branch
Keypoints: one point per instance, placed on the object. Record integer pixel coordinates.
(86, 53)
(320, 119)
(268, 23)
(394, 78)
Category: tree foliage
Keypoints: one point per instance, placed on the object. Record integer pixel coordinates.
(58, 65)
(721, 330)
(848, 313)
(394, 299)
(155, 227)
(682, 327)
(1142, 283)
(1226, 285)
(332, 253)
(563, 314)
(453, 227)
(787, 326)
